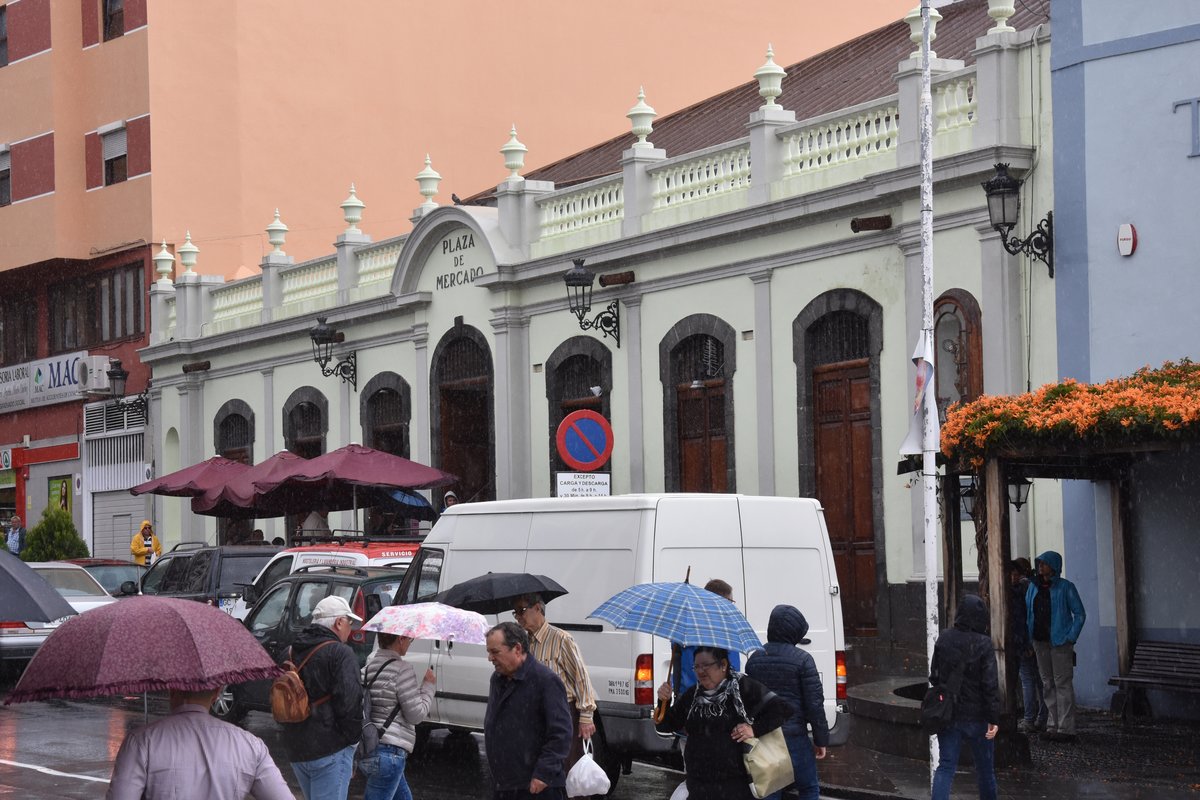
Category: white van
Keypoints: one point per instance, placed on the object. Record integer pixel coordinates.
(771, 549)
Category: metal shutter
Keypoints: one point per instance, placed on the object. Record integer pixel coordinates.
(114, 144)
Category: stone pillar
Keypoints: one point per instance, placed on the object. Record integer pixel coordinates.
(764, 381)
(161, 293)
(631, 324)
(513, 478)
(638, 186)
(269, 447)
(272, 284)
(766, 150)
(908, 86)
(191, 446)
(517, 210)
(997, 90)
(192, 303)
(1003, 310)
(421, 421)
(347, 263)
(910, 247)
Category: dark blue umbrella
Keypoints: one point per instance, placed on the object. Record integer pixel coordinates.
(681, 612)
(26, 596)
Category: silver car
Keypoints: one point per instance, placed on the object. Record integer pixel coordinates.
(19, 640)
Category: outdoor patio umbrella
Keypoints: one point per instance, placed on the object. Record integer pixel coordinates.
(143, 644)
(430, 621)
(26, 596)
(494, 592)
(681, 612)
(193, 481)
(240, 498)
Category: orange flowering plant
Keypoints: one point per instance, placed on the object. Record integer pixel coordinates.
(1150, 405)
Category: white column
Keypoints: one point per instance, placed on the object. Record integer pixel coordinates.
(764, 381)
(420, 400)
(910, 247)
(631, 334)
(266, 418)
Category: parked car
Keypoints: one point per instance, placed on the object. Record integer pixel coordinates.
(345, 551)
(19, 640)
(119, 578)
(213, 575)
(286, 609)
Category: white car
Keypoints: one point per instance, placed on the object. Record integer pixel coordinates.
(19, 640)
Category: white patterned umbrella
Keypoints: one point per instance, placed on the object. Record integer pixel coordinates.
(430, 621)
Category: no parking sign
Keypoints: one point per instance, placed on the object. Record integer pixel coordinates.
(585, 440)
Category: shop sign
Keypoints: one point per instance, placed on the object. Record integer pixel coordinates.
(40, 383)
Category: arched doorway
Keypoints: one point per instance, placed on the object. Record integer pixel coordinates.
(462, 410)
(578, 377)
(233, 438)
(385, 408)
(305, 423)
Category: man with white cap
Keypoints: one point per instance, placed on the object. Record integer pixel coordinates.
(321, 748)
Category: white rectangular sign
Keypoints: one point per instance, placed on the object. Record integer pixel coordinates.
(40, 383)
(584, 484)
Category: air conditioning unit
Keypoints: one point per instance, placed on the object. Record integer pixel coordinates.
(91, 372)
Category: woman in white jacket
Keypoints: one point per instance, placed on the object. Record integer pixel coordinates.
(396, 687)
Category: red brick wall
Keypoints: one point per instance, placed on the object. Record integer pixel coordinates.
(28, 28)
(93, 160)
(90, 9)
(137, 140)
(33, 167)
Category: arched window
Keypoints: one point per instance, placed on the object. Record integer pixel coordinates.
(578, 376)
(462, 412)
(385, 408)
(233, 438)
(959, 357)
(305, 422)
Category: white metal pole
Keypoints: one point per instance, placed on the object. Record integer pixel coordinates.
(929, 441)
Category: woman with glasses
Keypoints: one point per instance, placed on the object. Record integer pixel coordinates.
(723, 709)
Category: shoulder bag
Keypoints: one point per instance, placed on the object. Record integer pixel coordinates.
(767, 758)
(937, 707)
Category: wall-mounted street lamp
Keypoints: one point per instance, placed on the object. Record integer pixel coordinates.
(117, 378)
(324, 337)
(579, 299)
(966, 496)
(1018, 491)
(1004, 205)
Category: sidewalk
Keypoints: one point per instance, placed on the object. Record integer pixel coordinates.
(1159, 760)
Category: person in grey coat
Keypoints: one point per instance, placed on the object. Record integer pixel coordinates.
(792, 674)
(396, 696)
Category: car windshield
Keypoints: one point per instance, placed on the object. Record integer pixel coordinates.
(237, 569)
(111, 576)
(72, 582)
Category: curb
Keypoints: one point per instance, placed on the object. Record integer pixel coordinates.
(851, 793)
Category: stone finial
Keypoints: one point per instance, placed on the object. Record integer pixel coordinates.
(642, 116)
(352, 211)
(276, 233)
(187, 254)
(1001, 10)
(770, 80)
(164, 265)
(913, 18)
(514, 155)
(427, 183)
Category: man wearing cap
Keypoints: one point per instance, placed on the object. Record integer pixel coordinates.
(321, 748)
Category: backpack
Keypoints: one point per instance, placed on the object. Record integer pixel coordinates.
(371, 733)
(289, 696)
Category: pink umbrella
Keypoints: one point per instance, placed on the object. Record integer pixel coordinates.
(143, 644)
(194, 480)
(430, 621)
(238, 497)
(356, 465)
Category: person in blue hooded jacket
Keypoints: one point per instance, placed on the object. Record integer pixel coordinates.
(1054, 615)
(792, 674)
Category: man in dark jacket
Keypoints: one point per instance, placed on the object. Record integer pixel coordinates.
(1054, 616)
(321, 748)
(527, 726)
(964, 656)
(792, 674)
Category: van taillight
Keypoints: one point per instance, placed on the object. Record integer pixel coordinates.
(643, 680)
(841, 675)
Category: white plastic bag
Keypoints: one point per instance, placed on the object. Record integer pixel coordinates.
(680, 792)
(586, 778)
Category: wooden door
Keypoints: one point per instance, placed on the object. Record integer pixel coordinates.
(842, 414)
(466, 440)
(702, 439)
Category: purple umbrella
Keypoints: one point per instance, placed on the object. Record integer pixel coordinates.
(195, 480)
(238, 497)
(355, 465)
(143, 644)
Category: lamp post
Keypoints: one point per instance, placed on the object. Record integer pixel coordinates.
(1004, 205)
(579, 281)
(118, 377)
(324, 336)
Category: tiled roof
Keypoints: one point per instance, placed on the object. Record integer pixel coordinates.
(851, 73)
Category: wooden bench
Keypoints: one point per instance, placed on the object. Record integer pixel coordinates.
(1168, 666)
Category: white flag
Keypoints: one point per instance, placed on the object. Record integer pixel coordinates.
(923, 358)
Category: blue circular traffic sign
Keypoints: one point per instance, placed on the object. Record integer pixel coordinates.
(585, 440)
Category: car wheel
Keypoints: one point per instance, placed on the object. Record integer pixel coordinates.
(609, 761)
(227, 707)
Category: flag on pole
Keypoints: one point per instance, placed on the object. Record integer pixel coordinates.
(923, 358)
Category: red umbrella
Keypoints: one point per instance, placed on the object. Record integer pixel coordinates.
(355, 465)
(194, 480)
(238, 497)
(143, 644)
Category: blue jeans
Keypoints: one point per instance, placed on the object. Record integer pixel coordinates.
(328, 777)
(385, 774)
(1031, 689)
(950, 744)
(804, 767)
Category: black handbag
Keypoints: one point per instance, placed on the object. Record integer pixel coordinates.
(937, 707)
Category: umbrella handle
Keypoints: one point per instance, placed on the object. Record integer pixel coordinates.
(660, 710)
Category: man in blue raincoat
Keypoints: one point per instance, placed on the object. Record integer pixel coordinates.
(1054, 615)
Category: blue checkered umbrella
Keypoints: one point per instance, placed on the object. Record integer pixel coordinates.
(681, 612)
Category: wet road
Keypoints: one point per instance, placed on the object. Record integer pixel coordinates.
(65, 749)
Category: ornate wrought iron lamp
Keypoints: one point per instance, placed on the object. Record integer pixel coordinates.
(324, 336)
(1004, 205)
(1018, 491)
(579, 281)
(118, 377)
(966, 497)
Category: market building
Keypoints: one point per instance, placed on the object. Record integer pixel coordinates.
(759, 296)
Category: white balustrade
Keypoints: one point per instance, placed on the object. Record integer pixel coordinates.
(868, 130)
(235, 299)
(585, 206)
(954, 101)
(715, 171)
(377, 263)
(169, 323)
(310, 280)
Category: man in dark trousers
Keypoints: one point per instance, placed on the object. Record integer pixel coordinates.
(1055, 617)
(527, 727)
(792, 674)
(321, 748)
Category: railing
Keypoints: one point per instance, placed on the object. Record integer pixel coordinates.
(954, 100)
(238, 298)
(868, 130)
(378, 262)
(309, 281)
(712, 172)
(585, 206)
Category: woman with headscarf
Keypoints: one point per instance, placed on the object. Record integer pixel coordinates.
(145, 545)
(723, 709)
